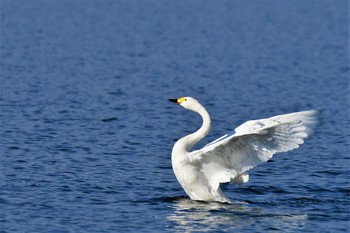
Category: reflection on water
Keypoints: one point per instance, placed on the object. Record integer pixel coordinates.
(191, 216)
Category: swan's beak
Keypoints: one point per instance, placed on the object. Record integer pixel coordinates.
(174, 101)
(177, 101)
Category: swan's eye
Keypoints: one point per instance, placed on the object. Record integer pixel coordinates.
(185, 99)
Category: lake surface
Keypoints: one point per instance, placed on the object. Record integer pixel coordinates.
(87, 129)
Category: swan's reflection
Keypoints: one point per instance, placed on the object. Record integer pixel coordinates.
(197, 216)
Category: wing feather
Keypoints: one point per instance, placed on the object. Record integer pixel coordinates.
(254, 142)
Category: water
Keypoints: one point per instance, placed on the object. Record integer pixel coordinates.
(87, 131)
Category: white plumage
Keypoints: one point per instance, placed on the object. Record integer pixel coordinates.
(228, 158)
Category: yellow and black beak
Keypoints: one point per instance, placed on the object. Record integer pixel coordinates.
(177, 101)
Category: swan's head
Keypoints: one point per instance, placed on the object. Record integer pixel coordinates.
(188, 103)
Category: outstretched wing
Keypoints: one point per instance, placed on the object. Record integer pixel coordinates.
(252, 143)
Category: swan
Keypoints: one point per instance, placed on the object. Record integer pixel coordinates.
(228, 158)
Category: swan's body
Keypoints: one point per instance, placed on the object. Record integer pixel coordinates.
(226, 159)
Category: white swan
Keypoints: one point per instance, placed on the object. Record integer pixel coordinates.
(226, 159)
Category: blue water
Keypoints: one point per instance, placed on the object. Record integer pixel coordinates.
(87, 131)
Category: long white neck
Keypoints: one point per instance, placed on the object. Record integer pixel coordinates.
(184, 145)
